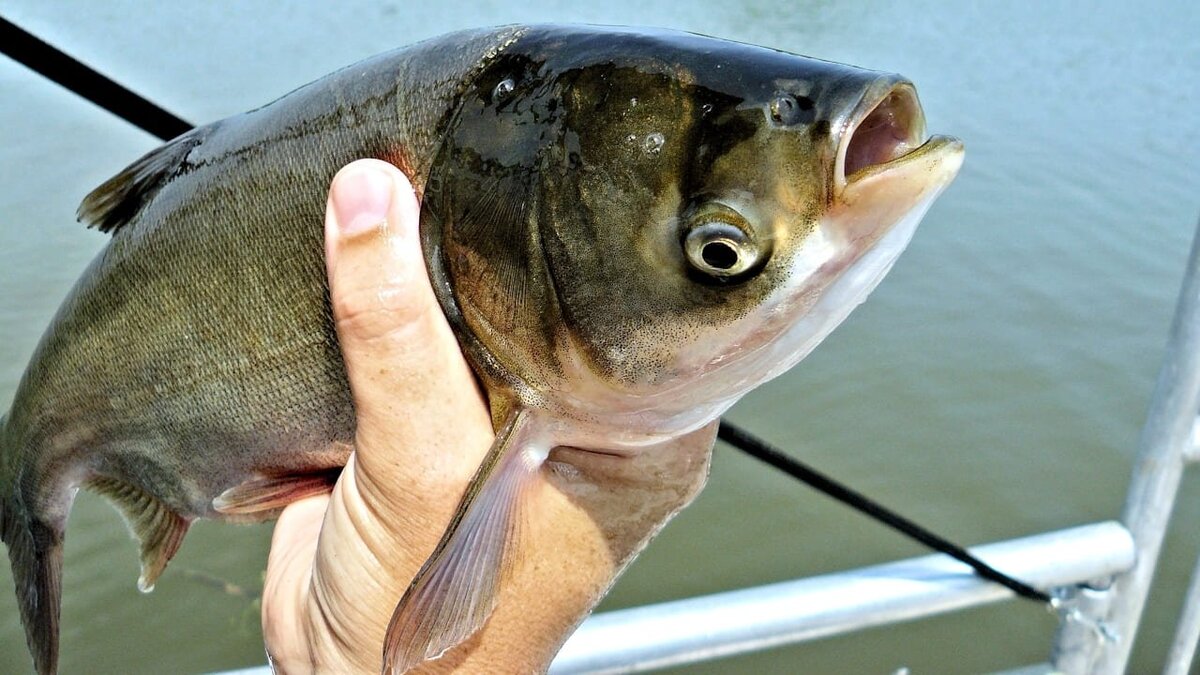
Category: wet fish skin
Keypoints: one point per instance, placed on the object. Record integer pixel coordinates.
(194, 371)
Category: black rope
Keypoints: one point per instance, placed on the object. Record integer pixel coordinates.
(77, 77)
(749, 444)
(23, 47)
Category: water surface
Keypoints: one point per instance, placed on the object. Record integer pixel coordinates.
(992, 387)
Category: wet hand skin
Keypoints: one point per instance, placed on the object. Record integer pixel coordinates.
(338, 562)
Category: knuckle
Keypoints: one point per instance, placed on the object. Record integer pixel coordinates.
(379, 312)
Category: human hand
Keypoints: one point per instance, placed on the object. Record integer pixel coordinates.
(340, 563)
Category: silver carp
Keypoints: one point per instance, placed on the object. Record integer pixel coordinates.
(628, 230)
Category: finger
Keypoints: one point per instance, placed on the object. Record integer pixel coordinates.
(371, 226)
(408, 377)
(289, 569)
(421, 425)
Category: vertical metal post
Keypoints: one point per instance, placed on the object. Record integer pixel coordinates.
(1183, 650)
(1156, 474)
(1187, 633)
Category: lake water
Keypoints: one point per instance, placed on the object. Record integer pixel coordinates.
(993, 387)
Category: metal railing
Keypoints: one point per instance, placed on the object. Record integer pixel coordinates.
(724, 624)
(1167, 443)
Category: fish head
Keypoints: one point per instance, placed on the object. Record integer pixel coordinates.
(641, 226)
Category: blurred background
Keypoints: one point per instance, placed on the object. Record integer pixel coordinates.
(993, 386)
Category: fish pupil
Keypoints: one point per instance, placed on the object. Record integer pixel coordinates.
(719, 254)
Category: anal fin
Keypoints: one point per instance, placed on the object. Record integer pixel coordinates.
(159, 529)
(455, 591)
(264, 496)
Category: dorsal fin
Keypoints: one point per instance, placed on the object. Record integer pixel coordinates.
(118, 199)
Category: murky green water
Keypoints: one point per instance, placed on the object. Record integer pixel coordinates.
(993, 387)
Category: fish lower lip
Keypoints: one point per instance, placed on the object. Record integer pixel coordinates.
(934, 144)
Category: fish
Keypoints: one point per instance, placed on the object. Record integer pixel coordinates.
(628, 229)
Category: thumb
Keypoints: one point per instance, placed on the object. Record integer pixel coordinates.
(421, 429)
(374, 261)
(409, 380)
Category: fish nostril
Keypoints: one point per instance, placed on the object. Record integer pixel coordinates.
(895, 127)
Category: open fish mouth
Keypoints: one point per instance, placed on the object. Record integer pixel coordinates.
(887, 130)
(886, 165)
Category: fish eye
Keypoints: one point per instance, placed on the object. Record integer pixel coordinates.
(720, 250)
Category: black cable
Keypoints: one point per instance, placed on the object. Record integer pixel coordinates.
(79, 78)
(23, 47)
(749, 444)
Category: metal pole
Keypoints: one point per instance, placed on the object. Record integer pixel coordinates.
(1187, 634)
(1165, 438)
(713, 626)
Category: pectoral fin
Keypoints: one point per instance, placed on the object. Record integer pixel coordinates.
(263, 496)
(455, 591)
